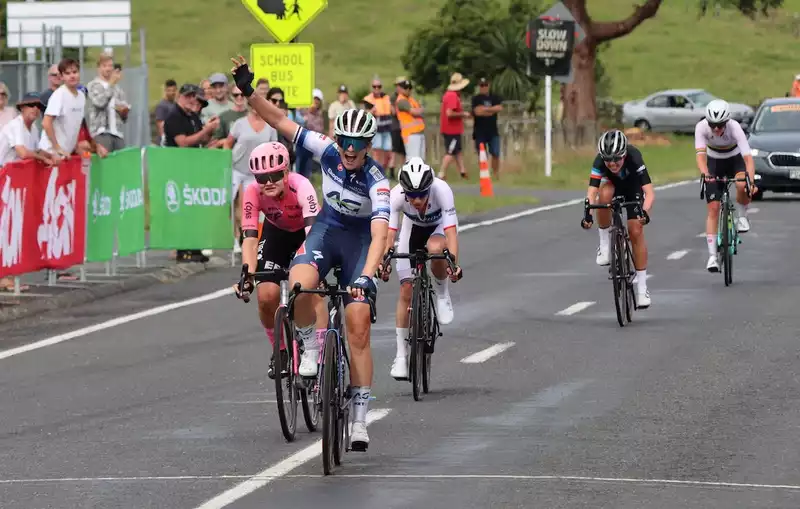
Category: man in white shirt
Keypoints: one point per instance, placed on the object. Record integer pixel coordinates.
(19, 138)
(64, 114)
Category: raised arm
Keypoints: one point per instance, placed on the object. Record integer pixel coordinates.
(271, 114)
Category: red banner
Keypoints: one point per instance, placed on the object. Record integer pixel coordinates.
(42, 216)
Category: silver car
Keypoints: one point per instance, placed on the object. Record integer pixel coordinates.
(676, 110)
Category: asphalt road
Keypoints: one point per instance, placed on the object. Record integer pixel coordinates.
(695, 404)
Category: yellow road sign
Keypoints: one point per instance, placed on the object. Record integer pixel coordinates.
(284, 19)
(288, 66)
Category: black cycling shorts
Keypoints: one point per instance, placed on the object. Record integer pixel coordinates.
(628, 189)
(727, 167)
(275, 250)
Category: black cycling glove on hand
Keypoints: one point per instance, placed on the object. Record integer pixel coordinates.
(366, 284)
(243, 77)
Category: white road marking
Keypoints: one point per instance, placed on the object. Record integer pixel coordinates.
(701, 235)
(486, 354)
(226, 291)
(548, 274)
(575, 308)
(572, 478)
(280, 469)
(754, 210)
(267, 479)
(677, 255)
(113, 323)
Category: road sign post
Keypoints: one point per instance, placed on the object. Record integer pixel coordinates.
(552, 38)
(288, 66)
(284, 19)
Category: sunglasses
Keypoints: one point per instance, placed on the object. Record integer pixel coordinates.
(721, 125)
(346, 142)
(377, 86)
(417, 196)
(613, 159)
(237, 95)
(274, 100)
(272, 177)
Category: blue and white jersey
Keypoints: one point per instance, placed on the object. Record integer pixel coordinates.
(350, 198)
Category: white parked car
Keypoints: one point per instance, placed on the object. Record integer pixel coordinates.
(676, 110)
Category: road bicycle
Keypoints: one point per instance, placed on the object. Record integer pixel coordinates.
(622, 270)
(332, 382)
(289, 386)
(423, 322)
(728, 238)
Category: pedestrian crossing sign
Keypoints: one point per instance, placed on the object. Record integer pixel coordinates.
(284, 19)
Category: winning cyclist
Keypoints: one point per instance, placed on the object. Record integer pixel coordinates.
(426, 206)
(350, 231)
(722, 150)
(619, 170)
(289, 203)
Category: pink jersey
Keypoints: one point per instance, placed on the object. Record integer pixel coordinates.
(289, 213)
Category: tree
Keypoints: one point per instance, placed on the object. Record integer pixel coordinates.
(474, 37)
(580, 105)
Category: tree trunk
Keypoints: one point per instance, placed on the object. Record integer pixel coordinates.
(580, 101)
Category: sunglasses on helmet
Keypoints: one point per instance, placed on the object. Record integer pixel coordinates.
(271, 177)
(346, 142)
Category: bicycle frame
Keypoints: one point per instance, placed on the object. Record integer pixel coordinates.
(728, 239)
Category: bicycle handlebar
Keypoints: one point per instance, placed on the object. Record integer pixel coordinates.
(723, 180)
(616, 202)
(329, 290)
(284, 274)
(421, 254)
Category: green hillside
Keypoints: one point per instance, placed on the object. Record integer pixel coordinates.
(730, 56)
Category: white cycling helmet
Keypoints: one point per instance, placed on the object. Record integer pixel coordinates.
(612, 144)
(718, 112)
(415, 176)
(355, 123)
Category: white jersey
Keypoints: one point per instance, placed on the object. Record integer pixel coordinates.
(441, 209)
(732, 142)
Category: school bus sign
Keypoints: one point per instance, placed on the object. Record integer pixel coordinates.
(288, 66)
(284, 19)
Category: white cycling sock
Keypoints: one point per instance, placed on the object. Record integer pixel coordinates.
(442, 286)
(741, 209)
(306, 336)
(402, 336)
(360, 403)
(711, 242)
(641, 279)
(605, 237)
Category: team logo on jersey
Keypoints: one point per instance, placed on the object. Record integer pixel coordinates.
(317, 254)
(273, 214)
(376, 173)
(346, 203)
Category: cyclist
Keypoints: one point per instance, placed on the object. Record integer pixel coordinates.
(289, 203)
(619, 170)
(722, 150)
(350, 231)
(426, 206)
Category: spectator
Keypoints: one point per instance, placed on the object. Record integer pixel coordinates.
(205, 86)
(64, 114)
(183, 128)
(313, 116)
(262, 87)
(245, 134)
(451, 124)
(382, 110)
(412, 124)
(7, 113)
(54, 81)
(218, 102)
(107, 107)
(275, 96)
(398, 148)
(237, 111)
(342, 103)
(485, 107)
(165, 106)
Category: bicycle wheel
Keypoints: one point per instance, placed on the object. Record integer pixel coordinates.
(727, 257)
(309, 399)
(630, 301)
(431, 328)
(417, 338)
(330, 403)
(617, 276)
(342, 438)
(285, 391)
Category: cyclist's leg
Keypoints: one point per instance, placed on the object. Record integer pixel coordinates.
(352, 254)
(403, 267)
(604, 222)
(444, 305)
(713, 196)
(310, 264)
(742, 199)
(638, 246)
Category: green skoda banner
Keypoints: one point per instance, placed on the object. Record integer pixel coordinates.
(116, 205)
(190, 198)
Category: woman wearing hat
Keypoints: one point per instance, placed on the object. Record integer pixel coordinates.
(18, 140)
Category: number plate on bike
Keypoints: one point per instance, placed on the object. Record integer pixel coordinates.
(794, 174)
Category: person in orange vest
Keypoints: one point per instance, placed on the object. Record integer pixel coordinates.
(796, 86)
(412, 125)
(380, 105)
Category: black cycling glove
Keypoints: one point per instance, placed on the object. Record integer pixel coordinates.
(367, 284)
(243, 77)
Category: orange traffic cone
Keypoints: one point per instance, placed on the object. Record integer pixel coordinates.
(486, 180)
